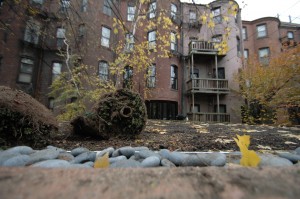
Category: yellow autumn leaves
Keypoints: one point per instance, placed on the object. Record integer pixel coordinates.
(249, 157)
(102, 162)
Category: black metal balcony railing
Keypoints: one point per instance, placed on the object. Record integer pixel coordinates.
(208, 85)
(195, 46)
(209, 117)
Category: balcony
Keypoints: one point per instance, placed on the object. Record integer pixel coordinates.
(207, 85)
(209, 117)
(202, 46)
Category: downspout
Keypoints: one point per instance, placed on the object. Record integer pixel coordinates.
(218, 95)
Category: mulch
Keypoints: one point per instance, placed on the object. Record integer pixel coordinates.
(188, 136)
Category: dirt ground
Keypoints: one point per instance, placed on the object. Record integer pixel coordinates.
(155, 183)
(189, 136)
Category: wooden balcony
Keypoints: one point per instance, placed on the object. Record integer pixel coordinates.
(209, 117)
(202, 46)
(207, 85)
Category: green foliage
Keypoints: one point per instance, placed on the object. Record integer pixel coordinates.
(74, 100)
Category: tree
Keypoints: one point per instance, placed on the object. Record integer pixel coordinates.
(268, 88)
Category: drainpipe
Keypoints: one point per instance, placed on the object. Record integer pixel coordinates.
(218, 97)
(193, 95)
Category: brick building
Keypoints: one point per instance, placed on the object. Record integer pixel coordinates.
(195, 80)
(268, 36)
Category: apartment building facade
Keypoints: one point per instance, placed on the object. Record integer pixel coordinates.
(195, 80)
(267, 37)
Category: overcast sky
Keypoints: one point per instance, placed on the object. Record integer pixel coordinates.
(254, 9)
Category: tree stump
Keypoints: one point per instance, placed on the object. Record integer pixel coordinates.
(23, 120)
(120, 113)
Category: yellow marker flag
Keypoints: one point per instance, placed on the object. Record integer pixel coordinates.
(102, 162)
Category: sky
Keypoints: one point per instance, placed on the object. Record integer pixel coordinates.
(254, 9)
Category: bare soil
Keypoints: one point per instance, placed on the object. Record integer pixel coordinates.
(189, 136)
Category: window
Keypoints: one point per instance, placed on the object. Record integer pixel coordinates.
(64, 5)
(130, 12)
(60, 37)
(26, 70)
(173, 41)
(264, 54)
(35, 1)
(161, 109)
(192, 16)
(246, 54)
(261, 31)
(1, 3)
(244, 33)
(151, 39)
(152, 10)
(106, 7)
(81, 30)
(105, 37)
(222, 108)
(128, 73)
(56, 70)
(84, 5)
(32, 32)
(103, 70)
(290, 35)
(151, 72)
(173, 11)
(238, 47)
(51, 103)
(174, 77)
(217, 15)
(217, 38)
(221, 73)
(129, 42)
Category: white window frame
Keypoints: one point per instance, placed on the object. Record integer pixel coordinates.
(217, 16)
(173, 42)
(103, 70)
(84, 5)
(192, 16)
(56, 70)
(60, 36)
(37, 1)
(244, 33)
(131, 12)
(65, 4)
(32, 32)
(105, 36)
(152, 9)
(246, 53)
(261, 30)
(264, 55)
(129, 42)
(173, 11)
(26, 70)
(290, 35)
(107, 8)
(152, 39)
(174, 77)
(151, 76)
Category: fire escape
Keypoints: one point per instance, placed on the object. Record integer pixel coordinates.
(205, 91)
